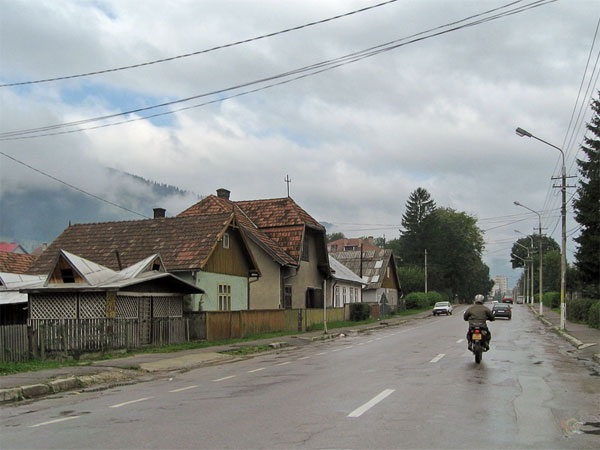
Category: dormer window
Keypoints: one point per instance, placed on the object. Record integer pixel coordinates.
(156, 266)
(67, 275)
(226, 240)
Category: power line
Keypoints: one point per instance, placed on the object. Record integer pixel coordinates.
(71, 186)
(187, 55)
(312, 70)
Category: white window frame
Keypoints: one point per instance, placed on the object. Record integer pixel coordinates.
(224, 297)
(226, 240)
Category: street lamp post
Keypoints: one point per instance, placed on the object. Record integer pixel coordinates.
(563, 260)
(540, 245)
(530, 271)
(531, 240)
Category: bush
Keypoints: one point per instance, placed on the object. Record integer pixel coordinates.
(359, 311)
(578, 309)
(551, 299)
(593, 318)
(435, 297)
(416, 300)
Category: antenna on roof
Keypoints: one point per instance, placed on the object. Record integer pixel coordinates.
(288, 180)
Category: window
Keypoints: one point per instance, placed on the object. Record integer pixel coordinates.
(67, 275)
(224, 297)
(287, 297)
(387, 271)
(226, 240)
(305, 249)
(337, 296)
(344, 295)
(351, 295)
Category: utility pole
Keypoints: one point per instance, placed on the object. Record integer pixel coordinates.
(426, 271)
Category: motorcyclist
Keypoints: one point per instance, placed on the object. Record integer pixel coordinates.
(477, 316)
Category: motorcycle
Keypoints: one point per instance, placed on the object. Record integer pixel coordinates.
(477, 342)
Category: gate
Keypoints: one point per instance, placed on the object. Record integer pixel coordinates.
(145, 321)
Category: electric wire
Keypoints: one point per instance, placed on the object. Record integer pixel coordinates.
(312, 70)
(72, 186)
(200, 52)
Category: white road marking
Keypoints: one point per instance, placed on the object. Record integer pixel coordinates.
(361, 343)
(184, 388)
(54, 421)
(132, 401)
(368, 342)
(336, 350)
(364, 408)
(437, 358)
(322, 353)
(257, 370)
(225, 378)
(459, 341)
(283, 363)
(304, 357)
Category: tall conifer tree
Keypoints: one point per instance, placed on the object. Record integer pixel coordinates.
(587, 207)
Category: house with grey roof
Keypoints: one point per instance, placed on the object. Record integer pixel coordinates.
(344, 286)
(86, 301)
(377, 270)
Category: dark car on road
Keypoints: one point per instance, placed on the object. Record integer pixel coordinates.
(502, 310)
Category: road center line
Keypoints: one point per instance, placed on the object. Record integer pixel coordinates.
(129, 403)
(54, 421)
(437, 358)
(184, 388)
(257, 370)
(322, 353)
(304, 357)
(364, 408)
(459, 341)
(225, 378)
(283, 363)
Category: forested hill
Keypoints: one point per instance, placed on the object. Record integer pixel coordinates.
(37, 216)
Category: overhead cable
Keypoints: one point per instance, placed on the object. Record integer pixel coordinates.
(304, 71)
(187, 55)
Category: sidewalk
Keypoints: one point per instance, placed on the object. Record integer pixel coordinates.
(584, 338)
(147, 366)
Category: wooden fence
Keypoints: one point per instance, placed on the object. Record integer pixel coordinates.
(50, 337)
(14, 346)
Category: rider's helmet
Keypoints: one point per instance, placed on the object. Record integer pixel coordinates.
(479, 299)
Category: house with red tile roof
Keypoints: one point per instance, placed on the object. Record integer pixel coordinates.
(13, 247)
(15, 262)
(352, 244)
(209, 251)
(288, 244)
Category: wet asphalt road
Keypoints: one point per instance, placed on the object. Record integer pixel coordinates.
(414, 386)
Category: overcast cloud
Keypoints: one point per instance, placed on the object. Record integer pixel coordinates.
(356, 140)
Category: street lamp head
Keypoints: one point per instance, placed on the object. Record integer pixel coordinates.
(521, 132)
(517, 203)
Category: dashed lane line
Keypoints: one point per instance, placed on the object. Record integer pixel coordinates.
(257, 370)
(437, 358)
(364, 408)
(304, 357)
(460, 340)
(130, 402)
(184, 388)
(63, 419)
(225, 378)
(283, 363)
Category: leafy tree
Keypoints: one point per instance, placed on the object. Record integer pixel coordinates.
(455, 245)
(335, 236)
(380, 242)
(587, 208)
(548, 245)
(412, 278)
(551, 276)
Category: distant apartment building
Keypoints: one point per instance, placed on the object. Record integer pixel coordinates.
(500, 285)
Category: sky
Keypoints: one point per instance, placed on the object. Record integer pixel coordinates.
(438, 112)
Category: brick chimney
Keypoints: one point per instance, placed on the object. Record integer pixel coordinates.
(159, 213)
(223, 193)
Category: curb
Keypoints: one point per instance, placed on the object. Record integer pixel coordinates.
(572, 339)
(61, 385)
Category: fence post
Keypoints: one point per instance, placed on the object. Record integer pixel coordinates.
(127, 335)
(63, 339)
(42, 340)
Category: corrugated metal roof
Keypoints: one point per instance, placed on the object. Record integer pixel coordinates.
(342, 272)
